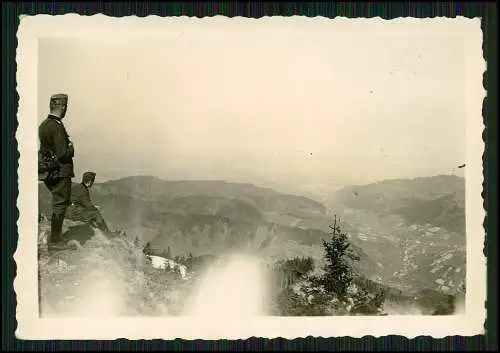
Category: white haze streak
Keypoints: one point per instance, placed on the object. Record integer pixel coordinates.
(233, 290)
(100, 297)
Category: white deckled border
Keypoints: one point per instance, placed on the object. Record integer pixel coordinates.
(99, 26)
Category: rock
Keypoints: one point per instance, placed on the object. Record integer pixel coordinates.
(58, 263)
(439, 281)
(43, 237)
(75, 244)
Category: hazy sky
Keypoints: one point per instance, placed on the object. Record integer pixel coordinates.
(286, 107)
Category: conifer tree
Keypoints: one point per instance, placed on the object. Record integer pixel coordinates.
(147, 249)
(338, 271)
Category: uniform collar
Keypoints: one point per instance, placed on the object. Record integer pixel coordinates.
(53, 117)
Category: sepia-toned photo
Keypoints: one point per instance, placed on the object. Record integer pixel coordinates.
(228, 178)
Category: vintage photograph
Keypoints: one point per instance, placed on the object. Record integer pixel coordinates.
(241, 169)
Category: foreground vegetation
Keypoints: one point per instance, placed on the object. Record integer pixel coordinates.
(298, 287)
(334, 290)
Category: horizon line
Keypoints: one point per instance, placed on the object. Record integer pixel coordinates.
(272, 182)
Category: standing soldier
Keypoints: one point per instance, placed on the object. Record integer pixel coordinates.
(81, 208)
(55, 140)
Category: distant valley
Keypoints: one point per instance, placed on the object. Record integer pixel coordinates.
(409, 233)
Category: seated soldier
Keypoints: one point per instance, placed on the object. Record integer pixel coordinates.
(81, 208)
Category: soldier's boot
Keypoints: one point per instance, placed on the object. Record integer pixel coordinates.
(55, 240)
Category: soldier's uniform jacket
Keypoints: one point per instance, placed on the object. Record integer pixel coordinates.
(81, 208)
(54, 137)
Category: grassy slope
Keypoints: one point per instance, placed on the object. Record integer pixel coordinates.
(104, 276)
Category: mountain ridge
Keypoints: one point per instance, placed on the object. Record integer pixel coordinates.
(438, 200)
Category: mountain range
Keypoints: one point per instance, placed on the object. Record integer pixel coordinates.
(409, 234)
(438, 200)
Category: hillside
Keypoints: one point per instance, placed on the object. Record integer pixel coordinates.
(213, 217)
(414, 230)
(438, 200)
(110, 275)
(100, 276)
(195, 216)
(273, 225)
(135, 196)
(200, 235)
(153, 189)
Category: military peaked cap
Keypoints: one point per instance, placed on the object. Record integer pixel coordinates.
(88, 176)
(58, 99)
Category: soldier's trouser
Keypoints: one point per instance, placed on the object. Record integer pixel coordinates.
(60, 189)
(99, 221)
(92, 217)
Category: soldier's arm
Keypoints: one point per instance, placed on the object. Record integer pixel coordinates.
(63, 149)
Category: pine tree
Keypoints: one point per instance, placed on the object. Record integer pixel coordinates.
(169, 253)
(147, 249)
(338, 271)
